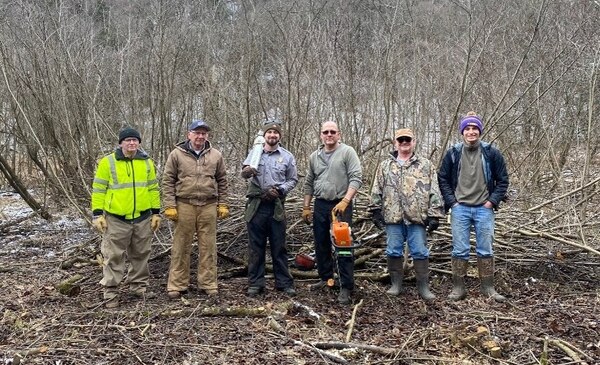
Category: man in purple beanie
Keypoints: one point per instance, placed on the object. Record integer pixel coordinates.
(473, 180)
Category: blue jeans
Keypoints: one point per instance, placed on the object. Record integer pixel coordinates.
(482, 220)
(413, 234)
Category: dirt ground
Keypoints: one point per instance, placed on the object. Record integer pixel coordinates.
(552, 315)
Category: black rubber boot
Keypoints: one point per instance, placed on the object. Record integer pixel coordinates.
(486, 276)
(396, 274)
(459, 271)
(422, 275)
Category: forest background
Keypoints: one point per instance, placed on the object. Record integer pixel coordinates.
(75, 72)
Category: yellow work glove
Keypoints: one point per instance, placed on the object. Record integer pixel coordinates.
(222, 211)
(307, 215)
(341, 206)
(171, 214)
(155, 222)
(99, 223)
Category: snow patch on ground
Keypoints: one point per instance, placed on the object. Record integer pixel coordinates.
(36, 236)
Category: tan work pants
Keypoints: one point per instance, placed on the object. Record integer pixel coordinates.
(201, 220)
(125, 240)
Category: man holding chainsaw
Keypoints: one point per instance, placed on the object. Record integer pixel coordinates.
(406, 202)
(273, 174)
(333, 178)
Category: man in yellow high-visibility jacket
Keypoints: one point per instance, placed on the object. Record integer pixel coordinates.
(126, 206)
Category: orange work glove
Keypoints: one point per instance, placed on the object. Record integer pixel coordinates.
(307, 215)
(155, 222)
(171, 214)
(222, 211)
(99, 223)
(341, 206)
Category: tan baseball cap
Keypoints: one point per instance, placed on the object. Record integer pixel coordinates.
(404, 132)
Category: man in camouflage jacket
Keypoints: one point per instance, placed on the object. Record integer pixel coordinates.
(407, 203)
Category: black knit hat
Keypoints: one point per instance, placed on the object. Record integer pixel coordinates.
(129, 132)
(272, 124)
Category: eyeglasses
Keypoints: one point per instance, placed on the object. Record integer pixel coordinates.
(333, 133)
(404, 139)
(130, 140)
(199, 133)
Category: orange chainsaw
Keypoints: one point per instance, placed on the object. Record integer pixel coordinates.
(341, 234)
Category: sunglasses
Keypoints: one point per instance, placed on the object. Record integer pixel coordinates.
(333, 133)
(404, 139)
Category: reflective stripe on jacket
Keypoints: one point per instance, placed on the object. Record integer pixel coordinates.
(125, 187)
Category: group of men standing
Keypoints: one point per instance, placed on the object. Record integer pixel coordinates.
(408, 197)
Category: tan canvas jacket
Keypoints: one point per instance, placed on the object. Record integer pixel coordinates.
(194, 180)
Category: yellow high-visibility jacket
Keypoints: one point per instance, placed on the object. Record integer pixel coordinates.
(125, 187)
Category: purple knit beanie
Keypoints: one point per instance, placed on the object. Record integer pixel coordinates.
(470, 119)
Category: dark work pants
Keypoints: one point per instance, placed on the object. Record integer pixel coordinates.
(261, 227)
(323, 245)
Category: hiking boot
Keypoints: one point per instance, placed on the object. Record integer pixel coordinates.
(255, 290)
(344, 296)
(112, 303)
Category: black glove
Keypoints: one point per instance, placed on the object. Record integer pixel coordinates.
(431, 224)
(377, 218)
(271, 194)
(248, 172)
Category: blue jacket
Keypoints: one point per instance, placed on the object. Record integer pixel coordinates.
(494, 170)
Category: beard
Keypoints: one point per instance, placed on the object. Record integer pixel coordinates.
(272, 141)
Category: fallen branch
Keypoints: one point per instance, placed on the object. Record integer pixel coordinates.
(326, 354)
(218, 311)
(352, 320)
(349, 345)
(563, 196)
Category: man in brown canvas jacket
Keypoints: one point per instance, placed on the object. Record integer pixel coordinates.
(194, 187)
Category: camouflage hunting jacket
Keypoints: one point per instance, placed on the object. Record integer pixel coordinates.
(407, 193)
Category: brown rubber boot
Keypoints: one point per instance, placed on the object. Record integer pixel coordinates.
(459, 271)
(486, 276)
(396, 274)
(422, 275)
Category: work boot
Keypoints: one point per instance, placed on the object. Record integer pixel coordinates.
(396, 274)
(485, 265)
(255, 290)
(211, 292)
(459, 271)
(143, 294)
(289, 291)
(174, 294)
(322, 284)
(422, 275)
(344, 296)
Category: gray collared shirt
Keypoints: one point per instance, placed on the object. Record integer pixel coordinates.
(276, 169)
